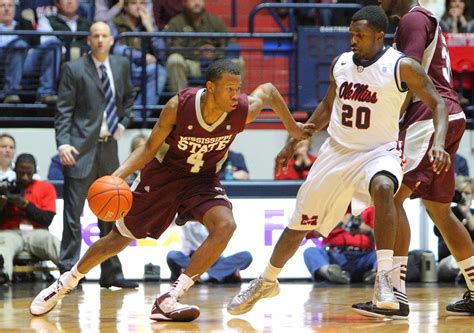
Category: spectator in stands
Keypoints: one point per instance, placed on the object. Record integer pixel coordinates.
(106, 10)
(7, 152)
(457, 17)
(235, 167)
(199, 52)
(300, 164)
(165, 10)
(26, 211)
(20, 60)
(56, 169)
(224, 270)
(460, 166)
(448, 268)
(68, 19)
(348, 253)
(33, 10)
(135, 18)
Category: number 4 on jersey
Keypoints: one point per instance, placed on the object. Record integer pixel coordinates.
(196, 160)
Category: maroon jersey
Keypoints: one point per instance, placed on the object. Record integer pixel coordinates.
(419, 37)
(195, 146)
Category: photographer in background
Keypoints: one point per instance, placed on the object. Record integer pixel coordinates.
(348, 253)
(27, 208)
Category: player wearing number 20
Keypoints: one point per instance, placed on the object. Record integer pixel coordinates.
(360, 162)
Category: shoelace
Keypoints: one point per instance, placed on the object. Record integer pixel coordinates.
(255, 284)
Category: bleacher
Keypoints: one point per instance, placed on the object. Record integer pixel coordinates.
(296, 61)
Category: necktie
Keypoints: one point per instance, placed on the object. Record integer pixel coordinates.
(110, 108)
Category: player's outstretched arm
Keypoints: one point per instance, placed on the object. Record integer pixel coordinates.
(267, 95)
(143, 154)
(319, 119)
(421, 85)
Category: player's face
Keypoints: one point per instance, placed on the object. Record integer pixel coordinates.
(100, 39)
(364, 40)
(226, 91)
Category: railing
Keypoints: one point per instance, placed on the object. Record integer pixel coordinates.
(271, 6)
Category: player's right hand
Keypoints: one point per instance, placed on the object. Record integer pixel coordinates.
(440, 159)
(66, 155)
(283, 158)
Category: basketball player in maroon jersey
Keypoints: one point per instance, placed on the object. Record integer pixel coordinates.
(180, 166)
(419, 36)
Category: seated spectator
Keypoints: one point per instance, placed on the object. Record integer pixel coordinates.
(26, 211)
(460, 166)
(106, 10)
(300, 164)
(234, 167)
(21, 60)
(33, 10)
(135, 18)
(183, 63)
(448, 268)
(7, 152)
(348, 253)
(137, 141)
(56, 169)
(165, 10)
(457, 17)
(69, 19)
(224, 270)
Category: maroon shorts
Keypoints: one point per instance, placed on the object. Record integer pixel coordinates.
(163, 192)
(416, 132)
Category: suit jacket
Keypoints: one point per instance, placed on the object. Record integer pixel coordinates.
(80, 107)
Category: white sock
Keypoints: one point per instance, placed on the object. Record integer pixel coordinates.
(271, 272)
(467, 269)
(72, 278)
(181, 285)
(398, 277)
(384, 260)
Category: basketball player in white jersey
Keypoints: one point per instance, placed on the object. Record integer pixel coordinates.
(360, 163)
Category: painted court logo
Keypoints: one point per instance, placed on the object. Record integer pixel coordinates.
(306, 220)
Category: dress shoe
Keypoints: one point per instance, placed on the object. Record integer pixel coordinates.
(119, 283)
(12, 99)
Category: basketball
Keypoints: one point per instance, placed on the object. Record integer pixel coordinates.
(109, 198)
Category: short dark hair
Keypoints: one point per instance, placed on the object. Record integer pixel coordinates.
(374, 15)
(26, 158)
(219, 67)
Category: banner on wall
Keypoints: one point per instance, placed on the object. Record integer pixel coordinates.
(260, 223)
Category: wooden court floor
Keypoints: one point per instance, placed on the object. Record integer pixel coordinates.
(300, 307)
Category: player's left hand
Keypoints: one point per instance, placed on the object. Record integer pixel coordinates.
(440, 159)
(303, 131)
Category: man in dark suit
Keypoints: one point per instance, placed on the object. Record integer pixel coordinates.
(94, 107)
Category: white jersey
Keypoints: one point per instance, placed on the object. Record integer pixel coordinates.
(368, 100)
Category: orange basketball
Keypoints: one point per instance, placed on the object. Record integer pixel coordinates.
(109, 198)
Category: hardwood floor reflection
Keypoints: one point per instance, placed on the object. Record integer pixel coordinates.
(300, 307)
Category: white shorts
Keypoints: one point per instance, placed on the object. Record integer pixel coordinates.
(339, 176)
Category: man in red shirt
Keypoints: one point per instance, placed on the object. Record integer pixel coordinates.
(27, 208)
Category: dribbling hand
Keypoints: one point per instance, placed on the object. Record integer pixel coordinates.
(283, 158)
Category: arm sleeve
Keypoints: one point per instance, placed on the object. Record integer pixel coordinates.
(43, 217)
(414, 33)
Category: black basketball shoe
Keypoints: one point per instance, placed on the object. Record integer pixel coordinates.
(464, 307)
(368, 309)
